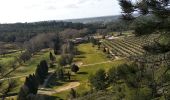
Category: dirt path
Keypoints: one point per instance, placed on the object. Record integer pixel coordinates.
(96, 63)
(60, 89)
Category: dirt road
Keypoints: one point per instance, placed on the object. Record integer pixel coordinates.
(60, 89)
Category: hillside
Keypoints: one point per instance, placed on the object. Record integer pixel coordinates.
(104, 19)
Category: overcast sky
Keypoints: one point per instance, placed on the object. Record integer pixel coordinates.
(12, 11)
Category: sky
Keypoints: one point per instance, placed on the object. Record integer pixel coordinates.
(12, 11)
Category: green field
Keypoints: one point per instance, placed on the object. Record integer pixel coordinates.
(90, 58)
(89, 55)
(27, 68)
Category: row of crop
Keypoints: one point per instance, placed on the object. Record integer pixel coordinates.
(130, 47)
(117, 51)
(134, 46)
(123, 47)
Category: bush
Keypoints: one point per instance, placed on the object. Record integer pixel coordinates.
(74, 68)
(112, 75)
(25, 56)
(98, 80)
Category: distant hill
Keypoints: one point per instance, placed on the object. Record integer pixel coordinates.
(103, 19)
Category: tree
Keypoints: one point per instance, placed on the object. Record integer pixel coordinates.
(25, 56)
(41, 71)
(68, 48)
(69, 75)
(93, 41)
(40, 74)
(112, 75)
(74, 68)
(52, 58)
(157, 8)
(32, 83)
(56, 43)
(23, 93)
(29, 89)
(98, 80)
(69, 58)
(44, 67)
(65, 59)
(73, 93)
(127, 8)
(60, 73)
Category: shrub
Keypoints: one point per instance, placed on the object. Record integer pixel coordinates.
(74, 68)
(98, 80)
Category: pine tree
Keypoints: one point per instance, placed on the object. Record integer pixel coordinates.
(44, 67)
(41, 71)
(29, 88)
(39, 74)
(158, 8)
(52, 58)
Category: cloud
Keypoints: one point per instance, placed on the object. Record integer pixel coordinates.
(82, 1)
(72, 6)
(51, 8)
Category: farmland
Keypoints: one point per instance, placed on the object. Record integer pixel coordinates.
(121, 57)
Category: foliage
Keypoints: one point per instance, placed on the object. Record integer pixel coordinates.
(21, 32)
(29, 89)
(68, 48)
(73, 93)
(74, 68)
(112, 75)
(94, 41)
(7, 87)
(41, 71)
(25, 56)
(98, 95)
(132, 81)
(56, 42)
(32, 83)
(127, 8)
(52, 57)
(65, 59)
(98, 80)
(60, 73)
(157, 48)
(157, 8)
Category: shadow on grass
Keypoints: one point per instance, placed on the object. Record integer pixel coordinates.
(71, 80)
(80, 56)
(56, 83)
(47, 97)
(80, 53)
(76, 60)
(83, 73)
(60, 83)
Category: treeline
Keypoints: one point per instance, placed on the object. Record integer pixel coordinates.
(20, 32)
